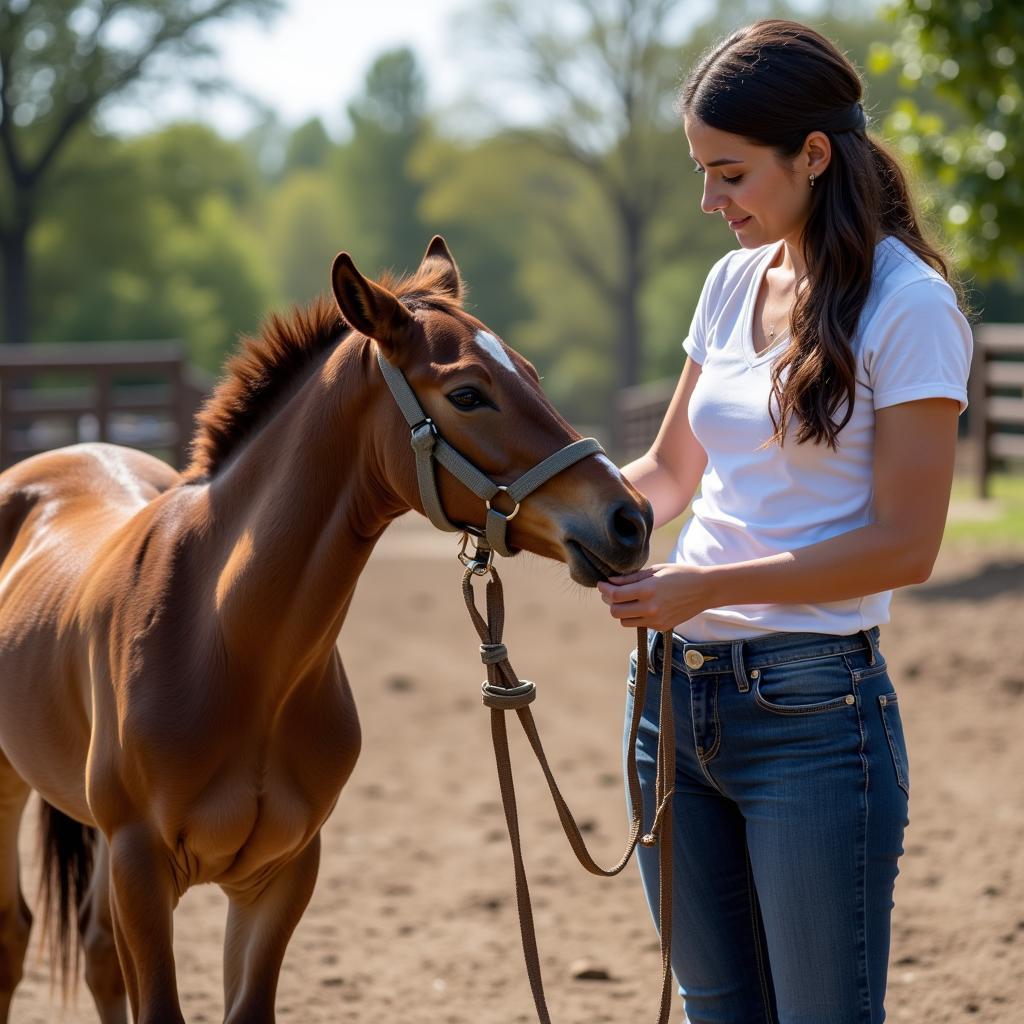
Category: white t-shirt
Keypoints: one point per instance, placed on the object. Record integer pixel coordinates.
(911, 342)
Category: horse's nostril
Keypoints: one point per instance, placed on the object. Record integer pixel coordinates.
(629, 526)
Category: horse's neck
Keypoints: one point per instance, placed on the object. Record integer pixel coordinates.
(299, 510)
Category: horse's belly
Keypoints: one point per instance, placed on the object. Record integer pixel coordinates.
(45, 717)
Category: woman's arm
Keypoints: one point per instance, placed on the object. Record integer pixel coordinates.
(915, 445)
(669, 474)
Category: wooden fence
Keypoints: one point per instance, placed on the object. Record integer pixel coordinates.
(142, 394)
(994, 420)
(997, 400)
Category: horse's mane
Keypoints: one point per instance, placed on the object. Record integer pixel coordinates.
(265, 366)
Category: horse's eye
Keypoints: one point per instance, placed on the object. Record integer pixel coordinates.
(466, 398)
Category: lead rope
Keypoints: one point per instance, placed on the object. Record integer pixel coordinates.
(504, 691)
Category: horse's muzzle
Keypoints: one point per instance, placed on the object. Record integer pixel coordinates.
(619, 545)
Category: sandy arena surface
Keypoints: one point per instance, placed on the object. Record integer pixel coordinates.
(413, 919)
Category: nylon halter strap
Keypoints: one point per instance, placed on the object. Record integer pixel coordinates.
(428, 445)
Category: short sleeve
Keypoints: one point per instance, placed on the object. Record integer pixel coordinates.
(695, 342)
(918, 345)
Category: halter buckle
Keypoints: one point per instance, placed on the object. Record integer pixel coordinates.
(424, 436)
(479, 561)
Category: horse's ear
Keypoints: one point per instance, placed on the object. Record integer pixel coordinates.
(451, 281)
(369, 308)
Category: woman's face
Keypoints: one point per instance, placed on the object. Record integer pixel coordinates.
(761, 200)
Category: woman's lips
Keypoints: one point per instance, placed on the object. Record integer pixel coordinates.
(738, 223)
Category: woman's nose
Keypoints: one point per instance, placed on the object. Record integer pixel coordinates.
(710, 202)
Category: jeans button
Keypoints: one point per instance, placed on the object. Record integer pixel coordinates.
(693, 659)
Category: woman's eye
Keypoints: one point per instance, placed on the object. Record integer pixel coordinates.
(727, 180)
(466, 398)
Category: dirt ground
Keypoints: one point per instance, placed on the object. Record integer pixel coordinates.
(413, 918)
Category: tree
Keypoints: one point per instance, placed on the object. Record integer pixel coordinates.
(308, 147)
(59, 61)
(968, 55)
(308, 219)
(388, 123)
(606, 72)
(173, 250)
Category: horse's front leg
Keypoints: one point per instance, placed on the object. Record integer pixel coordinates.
(259, 927)
(143, 898)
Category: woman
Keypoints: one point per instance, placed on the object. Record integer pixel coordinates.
(817, 413)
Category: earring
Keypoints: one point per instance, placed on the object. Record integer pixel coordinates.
(811, 179)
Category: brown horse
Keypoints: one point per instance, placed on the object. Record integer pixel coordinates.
(168, 669)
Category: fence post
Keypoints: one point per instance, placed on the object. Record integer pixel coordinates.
(978, 400)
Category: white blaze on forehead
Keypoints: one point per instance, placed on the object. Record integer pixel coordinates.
(490, 344)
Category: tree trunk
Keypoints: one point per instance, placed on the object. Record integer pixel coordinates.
(627, 355)
(16, 304)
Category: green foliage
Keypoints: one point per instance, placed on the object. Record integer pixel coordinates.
(474, 194)
(59, 61)
(309, 147)
(388, 122)
(978, 525)
(968, 56)
(184, 164)
(308, 219)
(123, 255)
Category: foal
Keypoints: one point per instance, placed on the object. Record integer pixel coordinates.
(168, 669)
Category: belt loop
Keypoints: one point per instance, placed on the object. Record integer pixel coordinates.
(871, 645)
(738, 668)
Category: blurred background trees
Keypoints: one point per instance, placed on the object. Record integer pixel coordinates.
(59, 61)
(959, 119)
(575, 220)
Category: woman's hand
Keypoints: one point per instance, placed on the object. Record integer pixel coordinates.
(658, 597)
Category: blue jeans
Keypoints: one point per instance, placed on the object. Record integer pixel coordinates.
(790, 804)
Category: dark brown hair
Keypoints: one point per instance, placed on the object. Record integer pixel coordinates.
(773, 83)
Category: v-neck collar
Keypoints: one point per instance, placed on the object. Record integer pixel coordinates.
(752, 356)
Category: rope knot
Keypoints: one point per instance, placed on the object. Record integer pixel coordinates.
(511, 698)
(491, 654)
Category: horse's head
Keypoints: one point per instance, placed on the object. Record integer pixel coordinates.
(486, 402)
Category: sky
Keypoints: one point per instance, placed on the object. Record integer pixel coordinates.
(310, 60)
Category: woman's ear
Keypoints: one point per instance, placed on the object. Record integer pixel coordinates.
(817, 153)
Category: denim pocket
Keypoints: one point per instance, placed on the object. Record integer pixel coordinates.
(890, 708)
(862, 667)
(806, 686)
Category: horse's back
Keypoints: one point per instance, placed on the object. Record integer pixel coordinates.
(109, 472)
(56, 512)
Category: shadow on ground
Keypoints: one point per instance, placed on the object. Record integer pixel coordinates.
(994, 579)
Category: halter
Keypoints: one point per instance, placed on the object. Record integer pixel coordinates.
(429, 446)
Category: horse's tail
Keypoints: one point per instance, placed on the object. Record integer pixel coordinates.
(66, 849)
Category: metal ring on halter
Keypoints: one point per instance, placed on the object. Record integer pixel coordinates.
(512, 514)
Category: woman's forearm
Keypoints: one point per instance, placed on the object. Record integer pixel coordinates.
(668, 495)
(868, 560)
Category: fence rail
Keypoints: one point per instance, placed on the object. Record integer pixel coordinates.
(142, 394)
